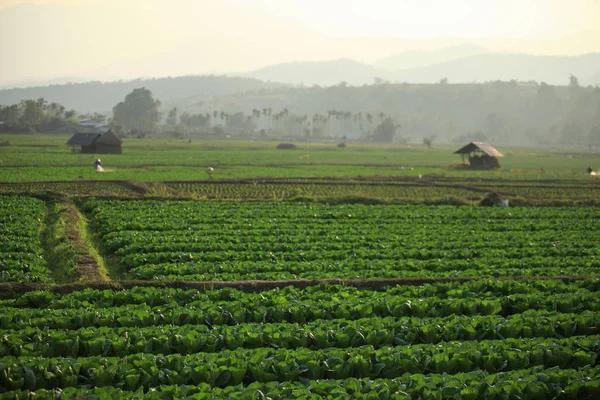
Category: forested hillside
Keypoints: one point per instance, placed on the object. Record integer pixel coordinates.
(103, 96)
(503, 112)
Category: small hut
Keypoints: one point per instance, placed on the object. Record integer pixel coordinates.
(481, 155)
(85, 140)
(109, 143)
(96, 143)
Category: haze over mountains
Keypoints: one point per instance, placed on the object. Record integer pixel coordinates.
(458, 64)
(431, 66)
(109, 40)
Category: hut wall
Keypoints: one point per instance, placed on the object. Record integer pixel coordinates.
(91, 149)
(483, 162)
(102, 148)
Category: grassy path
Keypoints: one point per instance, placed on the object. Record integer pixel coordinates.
(69, 252)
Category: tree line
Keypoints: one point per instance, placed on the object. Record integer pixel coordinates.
(500, 112)
(40, 116)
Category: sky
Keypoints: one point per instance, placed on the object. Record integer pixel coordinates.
(42, 40)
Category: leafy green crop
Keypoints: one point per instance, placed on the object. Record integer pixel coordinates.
(20, 248)
(277, 241)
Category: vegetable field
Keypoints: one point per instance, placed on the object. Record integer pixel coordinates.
(205, 241)
(484, 339)
(20, 247)
(526, 325)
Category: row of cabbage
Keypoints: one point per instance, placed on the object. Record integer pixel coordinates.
(487, 339)
(21, 252)
(272, 241)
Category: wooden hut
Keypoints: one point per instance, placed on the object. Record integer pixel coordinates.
(96, 143)
(85, 140)
(480, 155)
(109, 143)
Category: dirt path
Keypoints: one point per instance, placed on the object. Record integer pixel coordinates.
(87, 268)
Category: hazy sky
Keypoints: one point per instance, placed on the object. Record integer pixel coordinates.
(112, 39)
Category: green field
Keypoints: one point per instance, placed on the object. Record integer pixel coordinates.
(47, 158)
(313, 273)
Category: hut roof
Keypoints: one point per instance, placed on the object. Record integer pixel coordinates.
(83, 139)
(484, 147)
(109, 138)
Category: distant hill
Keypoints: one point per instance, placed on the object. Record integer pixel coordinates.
(102, 97)
(423, 58)
(501, 112)
(521, 67)
(325, 73)
(260, 84)
(553, 70)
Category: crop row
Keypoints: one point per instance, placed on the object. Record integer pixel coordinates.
(326, 294)
(230, 235)
(72, 188)
(229, 368)
(20, 247)
(320, 334)
(266, 191)
(216, 212)
(532, 383)
(180, 343)
(252, 311)
(182, 266)
(236, 241)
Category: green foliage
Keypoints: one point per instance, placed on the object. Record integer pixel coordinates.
(174, 342)
(428, 141)
(139, 111)
(20, 248)
(385, 131)
(273, 241)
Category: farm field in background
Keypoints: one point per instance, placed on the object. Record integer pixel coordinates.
(47, 158)
(317, 272)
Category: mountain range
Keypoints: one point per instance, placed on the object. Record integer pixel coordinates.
(413, 67)
(458, 64)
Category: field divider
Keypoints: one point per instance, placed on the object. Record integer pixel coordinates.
(55, 237)
(106, 267)
(9, 289)
(90, 264)
(67, 248)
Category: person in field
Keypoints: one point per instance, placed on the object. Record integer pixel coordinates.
(98, 165)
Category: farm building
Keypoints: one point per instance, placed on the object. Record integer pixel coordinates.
(480, 155)
(109, 143)
(96, 143)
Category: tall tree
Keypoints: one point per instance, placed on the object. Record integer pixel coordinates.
(385, 131)
(172, 117)
(139, 111)
(11, 114)
(32, 116)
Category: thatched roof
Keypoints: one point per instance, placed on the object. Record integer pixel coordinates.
(479, 146)
(109, 138)
(83, 139)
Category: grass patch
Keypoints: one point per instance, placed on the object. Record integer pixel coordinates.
(108, 264)
(59, 251)
(90, 264)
